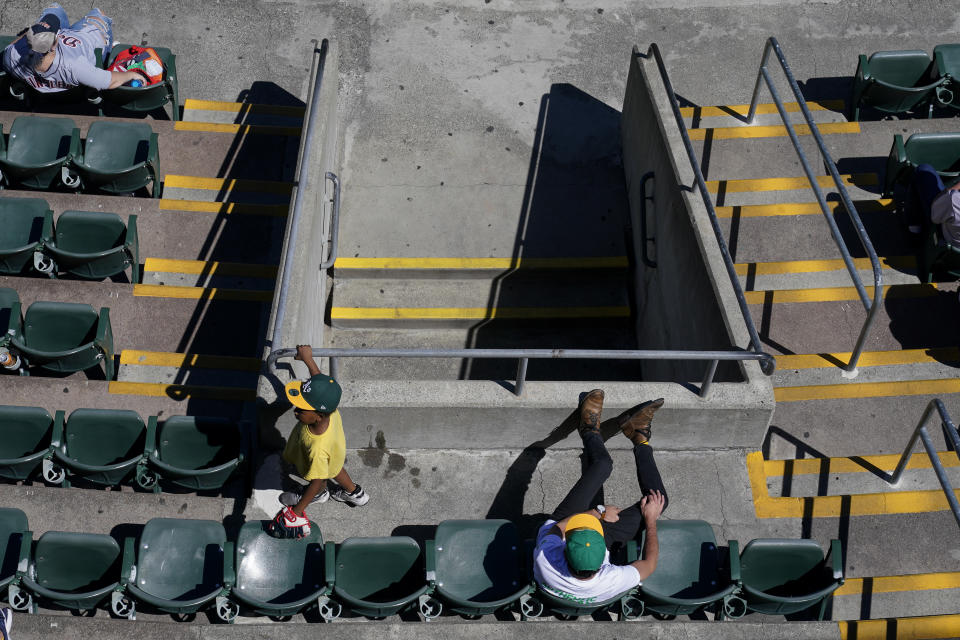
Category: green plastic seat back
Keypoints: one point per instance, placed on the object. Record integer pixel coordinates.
(940, 150)
(478, 560)
(379, 569)
(37, 140)
(22, 224)
(688, 563)
(190, 442)
(100, 437)
(76, 562)
(23, 431)
(59, 326)
(278, 571)
(783, 567)
(180, 559)
(89, 231)
(8, 297)
(902, 68)
(114, 147)
(13, 523)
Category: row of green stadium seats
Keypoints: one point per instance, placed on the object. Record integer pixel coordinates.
(900, 81)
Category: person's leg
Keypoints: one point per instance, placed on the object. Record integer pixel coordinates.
(347, 490)
(58, 11)
(103, 24)
(631, 519)
(596, 469)
(927, 185)
(343, 479)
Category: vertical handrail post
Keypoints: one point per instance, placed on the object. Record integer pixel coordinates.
(521, 376)
(334, 222)
(752, 112)
(335, 367)
(708, 378)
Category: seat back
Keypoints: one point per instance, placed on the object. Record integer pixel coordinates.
(180, 559)
(25, 434)
(13, 524)
(24, 224)
(688, 564)
(894, 81)
(940, 150)
(781, 567)
(150, 97)
(191, 442)
(38, 141)
(379, 570)
(93, 244)
(115, 147)
(278, 571)
(901, 68)
(100, 437)
(76, 562)
(478, 560)
(59, 326)
(8, 298)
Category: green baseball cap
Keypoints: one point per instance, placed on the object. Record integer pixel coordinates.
(585, 550)
(319, 393)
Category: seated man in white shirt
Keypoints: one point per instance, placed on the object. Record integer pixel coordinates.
(571, 558)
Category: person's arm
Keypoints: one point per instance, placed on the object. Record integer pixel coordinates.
(120, 78)
(651, 506)
(305, 355)
(311, 490)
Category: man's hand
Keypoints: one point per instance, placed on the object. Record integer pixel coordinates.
(612, 513)
(651, 506)
(120, 78)
(304, 353)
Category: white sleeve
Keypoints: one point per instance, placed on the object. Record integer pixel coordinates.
(91, 76)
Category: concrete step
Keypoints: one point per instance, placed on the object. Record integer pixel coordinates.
(209, 274)
(735, 189)
(812, 274)
(766, 114)
(454, 268)
(241, 113)
(226, 190)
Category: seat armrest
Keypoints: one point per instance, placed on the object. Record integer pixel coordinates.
(330, 565)
(47, 233)
(734, 546)
(16, 321)
(150, 446)
(632, 554)
(3, 145)
(104, 340)
(56, 439)
(128, 563)
(23, 562)
(229, 565)
(900, 148)
(132, 242)
(836, 557)
(430, 562)
(76, 151)
(863, 67)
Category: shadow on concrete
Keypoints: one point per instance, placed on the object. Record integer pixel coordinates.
(927, 322)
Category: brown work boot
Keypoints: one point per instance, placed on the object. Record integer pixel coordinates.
(636, 426)
(590, 409)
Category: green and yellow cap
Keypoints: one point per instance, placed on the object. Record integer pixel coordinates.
(585, 548)
(319, 393)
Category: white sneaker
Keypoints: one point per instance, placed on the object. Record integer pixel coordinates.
(6, 623)
(291, 498)
(358, 497)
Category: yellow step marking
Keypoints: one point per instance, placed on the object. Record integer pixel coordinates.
(788, 184)
(816, 266)
(226, 184)
(181, 392)
(762, 109)
(204, 206)
(475, 313)
(243, 107)
(482, 263)
(868, 358)
(867, 390)
(857, 464)
(211, 268)
(919, 628)
(837, 294)
(863, 504)
(798, 208)
(770, 131)
(195, 360)
(243, 129)
(198, 293)
(894, 584)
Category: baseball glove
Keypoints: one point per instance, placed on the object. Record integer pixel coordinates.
(287, 524)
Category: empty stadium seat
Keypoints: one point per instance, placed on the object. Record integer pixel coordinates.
(65, 337)
(180, 566)
(27, 224)
(789, 576)
(14, 548)
(378, 577)
(25, 436)
(893, 82)
(194, 452)
(36, 150)
(936, 255)
(95, 245)
(103, 446)
(690, 576)
(939, 150)
(478, 565)
(280, 577)
(946, 59)
(143, 99)
(77, 571)
(119, 158)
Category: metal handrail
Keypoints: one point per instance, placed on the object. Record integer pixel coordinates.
(767, 362)
(950, 433)
(523, 356)
(872, 307)
(334, 222)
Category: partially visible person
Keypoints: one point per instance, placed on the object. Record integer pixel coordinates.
(6, 622)
(52, 55)
(936, 203)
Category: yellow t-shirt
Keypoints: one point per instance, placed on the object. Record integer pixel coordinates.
(317, 457)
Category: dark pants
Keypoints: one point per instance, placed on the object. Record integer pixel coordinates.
(924, 188)
(587, 492)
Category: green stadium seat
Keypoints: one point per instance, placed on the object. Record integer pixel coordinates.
(25, 436)
(937, 256)
(194, 452)
(8, 299)
(178, 566)
(789, 576)
(76, 571)
(280, 577)
(27, 224)
(119, 158)
(103, 446)
(477, 566)
(143, 99)
(65, 337)
(95, 245)
(14, 548)
(689, 577)
(378, 577)
(4, 79)
(893, 82)
(940, 150)
(946, 59)
(36, 150)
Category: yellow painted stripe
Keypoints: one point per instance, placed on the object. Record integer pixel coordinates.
(204, 206)
(894, 584)
(197, 293)
(195, 360)
(475, 313)
(920, 628)
(762, 109)
(181, 392)
(482, 263)
(837, 294)
(771, 131)
(868, 358)
(211, 268)
(245, 107)
(797, 208)
(867, 390)
(243, 129)
(816, 266)
(226, 184)
(788, 184)
(858, 464)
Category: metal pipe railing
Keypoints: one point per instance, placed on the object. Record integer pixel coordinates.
(767, 362)
(872, 306)
(334, 222)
